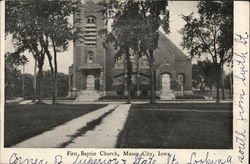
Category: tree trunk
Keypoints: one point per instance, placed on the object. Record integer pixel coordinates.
(23, 84)
(137, 77)
(231, 83)
(217, 93)
(222, 82)
(34, 83)
(40, 74)
(152, 79)
(54, 101)
(218, 82)
(210, 91)
(223, 92)
(129, 94)
(55, 88)
(129, 74)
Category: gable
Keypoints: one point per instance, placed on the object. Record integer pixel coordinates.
(167, 51)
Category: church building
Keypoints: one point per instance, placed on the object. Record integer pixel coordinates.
(95, 74)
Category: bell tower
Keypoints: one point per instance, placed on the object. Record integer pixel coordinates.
(89, 54)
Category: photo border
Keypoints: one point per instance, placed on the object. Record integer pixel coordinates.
(241, 26)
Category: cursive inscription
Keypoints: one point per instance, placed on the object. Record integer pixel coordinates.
(241, 59)
(15, 159)
(242, 39)
(241, 141)
(95, 161)
(241, 106)
(208, 160)
(58, 159)
(140, 158)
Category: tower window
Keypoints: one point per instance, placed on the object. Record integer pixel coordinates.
(90, 31)
(90, 20)
(90, 58)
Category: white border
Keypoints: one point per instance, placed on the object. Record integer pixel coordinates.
(241, 26)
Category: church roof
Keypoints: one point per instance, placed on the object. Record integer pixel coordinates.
(165, 45)
(90, 66)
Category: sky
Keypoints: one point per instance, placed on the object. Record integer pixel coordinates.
(65, 59)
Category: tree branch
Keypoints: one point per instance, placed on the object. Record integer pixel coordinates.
(204, 42)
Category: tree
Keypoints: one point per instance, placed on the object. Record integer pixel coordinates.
(124, 35)
(155, 14)
(125, 30)
(12, 73)
(59, 33)
(39, 26)
(47, 85)
(28, 91)
(24, 24)
(135, 29)
(203, 73)
(211, 35)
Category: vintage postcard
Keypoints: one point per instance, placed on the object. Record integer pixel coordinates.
(124, 82)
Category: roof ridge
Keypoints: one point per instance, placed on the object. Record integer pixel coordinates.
(180, 53)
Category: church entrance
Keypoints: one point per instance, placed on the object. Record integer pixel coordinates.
(165, 82)
(166, 92)
(90, 85)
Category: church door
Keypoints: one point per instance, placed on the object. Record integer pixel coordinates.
(90, 82)
(165, 82)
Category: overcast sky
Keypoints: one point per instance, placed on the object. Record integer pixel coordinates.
(176, 23)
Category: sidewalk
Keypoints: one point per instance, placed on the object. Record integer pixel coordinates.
(27, 102)
(55, 137)
(14, 101)
(179, 101)
(105, 135)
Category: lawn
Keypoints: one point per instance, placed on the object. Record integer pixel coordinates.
(155, 126)
(25, 121)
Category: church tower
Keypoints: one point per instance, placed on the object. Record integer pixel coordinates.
(87, 72)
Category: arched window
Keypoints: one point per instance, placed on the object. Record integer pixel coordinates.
(90, 58)
(181, 78)
(91, 20)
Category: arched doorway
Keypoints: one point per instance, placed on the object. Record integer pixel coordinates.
(166, 92)
(165, 81)
(90, 82)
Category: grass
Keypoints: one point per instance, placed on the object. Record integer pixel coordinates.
(189, 97)
(202, 106)
(25, 121)
(50, 98)
(147, 127)
(118, 97)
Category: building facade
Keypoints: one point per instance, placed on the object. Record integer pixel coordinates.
(94, 73)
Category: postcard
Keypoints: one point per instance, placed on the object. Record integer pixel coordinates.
(124, 82)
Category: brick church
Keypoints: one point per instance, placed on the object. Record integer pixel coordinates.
(94, 73)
